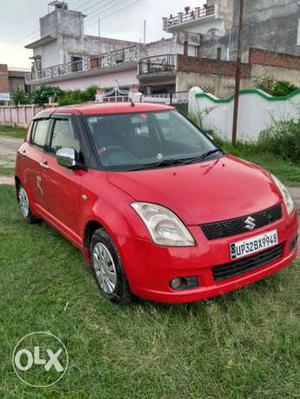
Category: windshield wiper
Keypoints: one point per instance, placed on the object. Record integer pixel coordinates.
(202, 157)
(165, 162)
(171, 162)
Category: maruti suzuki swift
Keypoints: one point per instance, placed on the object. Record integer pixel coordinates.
(157, 209)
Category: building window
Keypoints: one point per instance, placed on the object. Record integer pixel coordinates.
(298, 38)
(39, 133)
(37, 64)
(197, 51)
(186, 48)
(219, 53)
(76, 64)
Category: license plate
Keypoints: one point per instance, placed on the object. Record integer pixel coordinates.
(252, 245)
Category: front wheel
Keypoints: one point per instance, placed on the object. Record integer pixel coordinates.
(108, 269)
(25, 205)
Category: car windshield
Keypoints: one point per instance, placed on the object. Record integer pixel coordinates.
(147, 140)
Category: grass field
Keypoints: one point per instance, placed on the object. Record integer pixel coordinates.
(14, 132)
(243, 345)
(6, 170)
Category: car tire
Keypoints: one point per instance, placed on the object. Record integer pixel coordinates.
(25, 205)
(108, 270)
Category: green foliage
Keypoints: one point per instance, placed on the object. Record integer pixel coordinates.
(12, 131)
(42, 95)
(21, 97)
(276, 88)
(78, 96)
(282, 139)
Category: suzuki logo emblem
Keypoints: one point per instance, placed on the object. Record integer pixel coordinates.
(249, 222)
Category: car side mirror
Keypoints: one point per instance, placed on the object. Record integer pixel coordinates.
(66, 157)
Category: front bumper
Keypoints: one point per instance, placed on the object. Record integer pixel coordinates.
(150, 268)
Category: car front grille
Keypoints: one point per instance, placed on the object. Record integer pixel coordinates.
(230, 227)
(233, 269)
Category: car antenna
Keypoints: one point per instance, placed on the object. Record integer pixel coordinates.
(131, 102)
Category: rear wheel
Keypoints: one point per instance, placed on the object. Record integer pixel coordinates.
(25, 205)
(108, 269)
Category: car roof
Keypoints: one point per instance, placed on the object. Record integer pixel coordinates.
(103, 109)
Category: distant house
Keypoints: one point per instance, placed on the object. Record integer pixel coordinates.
(10, 79)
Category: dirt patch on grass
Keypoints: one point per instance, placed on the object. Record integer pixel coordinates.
(9, 180)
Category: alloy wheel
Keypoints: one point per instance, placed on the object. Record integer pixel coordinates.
(104, 268)
(24, 202)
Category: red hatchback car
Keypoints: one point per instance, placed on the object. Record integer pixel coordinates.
(154, 205)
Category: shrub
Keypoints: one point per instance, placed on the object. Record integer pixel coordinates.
(21, 97)
(42, 95)
(282, 139)
(274, 87)
(77, 96)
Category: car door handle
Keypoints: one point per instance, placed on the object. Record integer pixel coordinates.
(44, 165)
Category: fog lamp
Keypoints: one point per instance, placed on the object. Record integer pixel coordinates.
(183, 283)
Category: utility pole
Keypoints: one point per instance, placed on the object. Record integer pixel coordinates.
(238, 75)
(99, 28)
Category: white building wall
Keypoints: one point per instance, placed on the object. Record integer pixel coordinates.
(50, 54)
(107, 81)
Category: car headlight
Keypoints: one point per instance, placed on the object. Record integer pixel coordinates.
(163, 225)
(288, 200)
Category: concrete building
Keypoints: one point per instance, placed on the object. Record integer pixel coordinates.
(200, 49)
(210, 33)
(11, 79)
(68, 58)
(272, 25)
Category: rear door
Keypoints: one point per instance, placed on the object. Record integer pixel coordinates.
(34, 154)
(62, 185)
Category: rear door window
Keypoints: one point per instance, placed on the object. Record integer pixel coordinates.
(40, 131)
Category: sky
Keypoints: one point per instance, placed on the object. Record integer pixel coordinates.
(122, 19)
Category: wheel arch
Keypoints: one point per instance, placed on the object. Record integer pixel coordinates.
(17, 183)
(89, 229)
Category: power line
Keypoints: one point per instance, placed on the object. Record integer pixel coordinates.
(117, 11)
(33, 33)
(95, 15)
(82, 4)
(94, 5)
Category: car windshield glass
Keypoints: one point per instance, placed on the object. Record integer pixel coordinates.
(148, 140)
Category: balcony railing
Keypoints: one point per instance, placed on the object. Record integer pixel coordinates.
(86, 64)
(195, 14)
(158, 64)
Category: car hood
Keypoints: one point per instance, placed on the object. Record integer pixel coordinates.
(205, 192)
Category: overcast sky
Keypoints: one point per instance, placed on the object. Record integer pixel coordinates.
(19, 22)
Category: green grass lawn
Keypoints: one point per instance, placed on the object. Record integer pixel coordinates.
(288, 171)
(14, 132)
(6, 170)
(242, 345)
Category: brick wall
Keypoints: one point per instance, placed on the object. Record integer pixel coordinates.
(210, 67)
(270, 58)
(4, 85)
